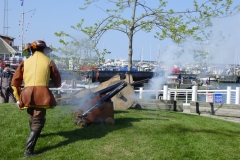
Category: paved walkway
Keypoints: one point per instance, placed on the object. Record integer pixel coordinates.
(231, 119)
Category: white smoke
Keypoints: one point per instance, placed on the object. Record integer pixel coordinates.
(224, 44)
(222, 47)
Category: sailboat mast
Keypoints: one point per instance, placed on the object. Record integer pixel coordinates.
(158, 57)
(150, 52)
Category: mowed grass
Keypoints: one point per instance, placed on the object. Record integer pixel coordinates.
(136, 135)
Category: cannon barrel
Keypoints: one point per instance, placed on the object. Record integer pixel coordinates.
(106, 90)
(108, 96)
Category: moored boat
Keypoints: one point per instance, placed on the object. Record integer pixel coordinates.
(102, 76)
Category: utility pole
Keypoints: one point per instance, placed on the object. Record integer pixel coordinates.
(22, 37)
(5, 18)
(22, 25)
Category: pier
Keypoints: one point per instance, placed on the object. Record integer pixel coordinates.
(224, 78)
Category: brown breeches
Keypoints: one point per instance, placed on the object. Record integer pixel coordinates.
(6, 97)
(36, 118)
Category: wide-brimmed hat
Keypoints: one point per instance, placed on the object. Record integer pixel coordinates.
(37, 45)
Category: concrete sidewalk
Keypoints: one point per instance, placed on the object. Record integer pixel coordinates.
(231, 119)
(186, 109)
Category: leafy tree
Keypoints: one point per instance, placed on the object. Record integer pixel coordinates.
(75, 53)
(176, 25)
(26, 53)
(79, 52)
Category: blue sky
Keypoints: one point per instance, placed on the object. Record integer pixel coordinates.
(59, 15)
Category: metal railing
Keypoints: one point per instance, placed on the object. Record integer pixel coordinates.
(228, 96)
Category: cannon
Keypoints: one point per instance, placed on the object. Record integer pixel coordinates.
(101, 110)
(97, 105)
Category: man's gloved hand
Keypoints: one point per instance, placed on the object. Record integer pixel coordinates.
(15, 93)
(18, 104)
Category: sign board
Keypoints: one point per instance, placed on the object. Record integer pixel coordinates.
(209, 97)
(218, 98)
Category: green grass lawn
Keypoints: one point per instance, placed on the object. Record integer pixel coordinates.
(136, 135)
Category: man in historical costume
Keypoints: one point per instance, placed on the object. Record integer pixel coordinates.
(36, 71)
(6, 92)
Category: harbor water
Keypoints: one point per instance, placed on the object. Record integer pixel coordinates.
(214, 85)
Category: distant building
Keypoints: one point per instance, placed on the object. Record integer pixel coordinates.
(6, 47)
(8, 53)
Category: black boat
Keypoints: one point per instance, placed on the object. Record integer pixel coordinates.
(101, 76)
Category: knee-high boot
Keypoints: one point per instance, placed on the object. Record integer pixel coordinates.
(30, 124)
(31, 142)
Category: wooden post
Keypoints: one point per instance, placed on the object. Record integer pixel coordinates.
(175, 105)
(197, 108)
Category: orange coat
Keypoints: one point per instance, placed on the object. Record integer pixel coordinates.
(36, 72)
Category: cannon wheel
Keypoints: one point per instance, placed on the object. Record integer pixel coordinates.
(124, 99)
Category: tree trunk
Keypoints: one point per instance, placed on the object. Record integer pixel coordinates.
(130, 36)
(130, 52)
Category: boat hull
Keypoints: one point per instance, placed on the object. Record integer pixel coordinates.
(102, 76)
